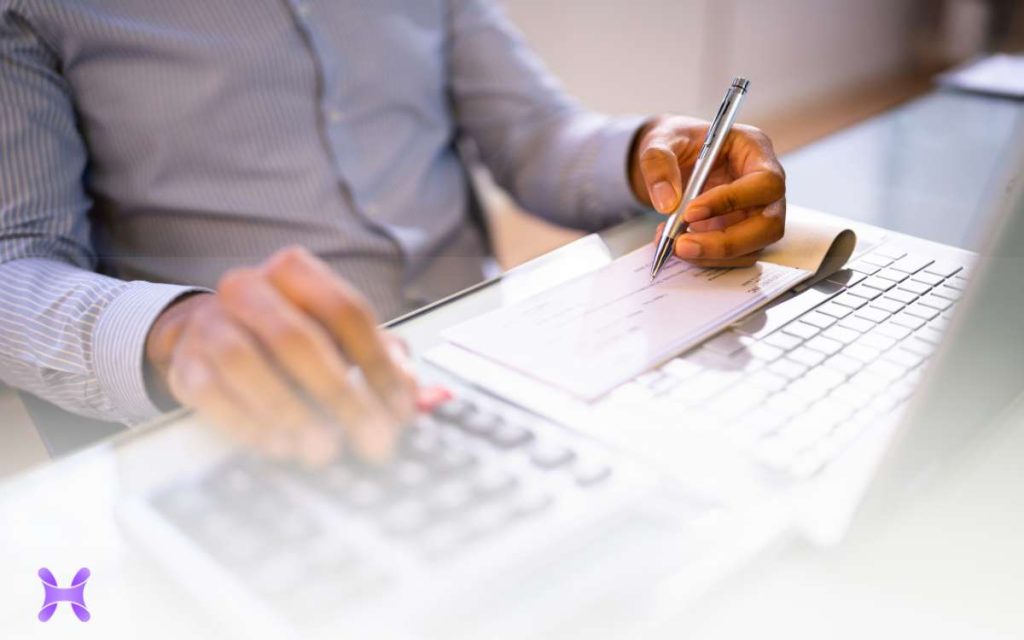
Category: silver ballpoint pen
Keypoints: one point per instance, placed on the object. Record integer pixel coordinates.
(717, 133)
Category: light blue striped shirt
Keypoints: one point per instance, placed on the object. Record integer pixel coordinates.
(147, 146)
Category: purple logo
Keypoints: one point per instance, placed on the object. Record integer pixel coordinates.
(75, 594)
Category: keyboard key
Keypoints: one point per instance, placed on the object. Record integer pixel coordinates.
(901, 295)
(844, 364)
(880, 284)
(824, 345)
(868, 383)
(818, 319)
(894, 331)
(766, 380)
(909, 321)
(918, 346)
(877, 340)
(774, 317)
(873, 314)
(531, 503)
(837, 311)
(806, 356)
(454, 409)
(851, 395)
(727, 343)
(955, 283)
(876, 260)
(929, 334)
(846, 277)
(936, 302)
(851, 301)
(947, 292)
(886, 369)
(787, 368)
(917, 288)
(943, 269)
(920, 310)
(864, 291)
(893, 252)
(801, 330)
(887, 304)
(857, 324)
(681, 368)
(842, 334)
(892, 275)
(929, 279)
(451, 497)
(864, 267)
(902, 357)
(862, 352)
(782, 340)
(762, 352)
(911, 263)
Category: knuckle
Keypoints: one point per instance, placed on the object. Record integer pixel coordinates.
(235, 281)
(287, 260)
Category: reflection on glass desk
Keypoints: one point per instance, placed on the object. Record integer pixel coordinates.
(924, 168)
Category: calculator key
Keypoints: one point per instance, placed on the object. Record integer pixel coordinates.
(510, 435)
(549, 455)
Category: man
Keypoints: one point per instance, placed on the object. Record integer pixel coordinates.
(162, 163)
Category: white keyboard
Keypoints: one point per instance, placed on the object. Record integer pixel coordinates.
(798, 382)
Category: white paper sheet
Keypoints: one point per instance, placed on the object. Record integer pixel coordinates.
(590, 334)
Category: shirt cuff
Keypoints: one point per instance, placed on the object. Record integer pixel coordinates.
(119, 345)
(608, 194)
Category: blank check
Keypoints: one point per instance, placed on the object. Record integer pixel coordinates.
(588, 335)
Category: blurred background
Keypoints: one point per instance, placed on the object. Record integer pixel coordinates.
(817, 65)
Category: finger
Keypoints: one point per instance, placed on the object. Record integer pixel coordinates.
(748, 236)
(314, 288)
(659, 168)
(195, 384)
(720, 222)
(249, 376)
(304, 349)
(751, 190)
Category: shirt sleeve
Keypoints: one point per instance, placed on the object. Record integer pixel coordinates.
(67, 334)
(556, 158)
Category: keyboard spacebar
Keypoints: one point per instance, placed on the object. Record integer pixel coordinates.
(768, 320)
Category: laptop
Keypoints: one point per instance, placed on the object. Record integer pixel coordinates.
(498, 519)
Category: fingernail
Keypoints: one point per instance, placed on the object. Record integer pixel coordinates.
(696, 214)
(663, 196)
(688, 250)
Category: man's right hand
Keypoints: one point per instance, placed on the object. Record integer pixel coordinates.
(286, 356)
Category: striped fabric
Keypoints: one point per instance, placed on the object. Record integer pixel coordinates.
(146, 147)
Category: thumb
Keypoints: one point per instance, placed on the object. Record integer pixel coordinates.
(660, 171)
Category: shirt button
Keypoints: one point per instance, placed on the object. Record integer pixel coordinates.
(334, 116)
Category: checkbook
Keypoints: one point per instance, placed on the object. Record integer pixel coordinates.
(594, 332)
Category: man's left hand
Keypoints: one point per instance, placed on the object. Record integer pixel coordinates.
(742, 208)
